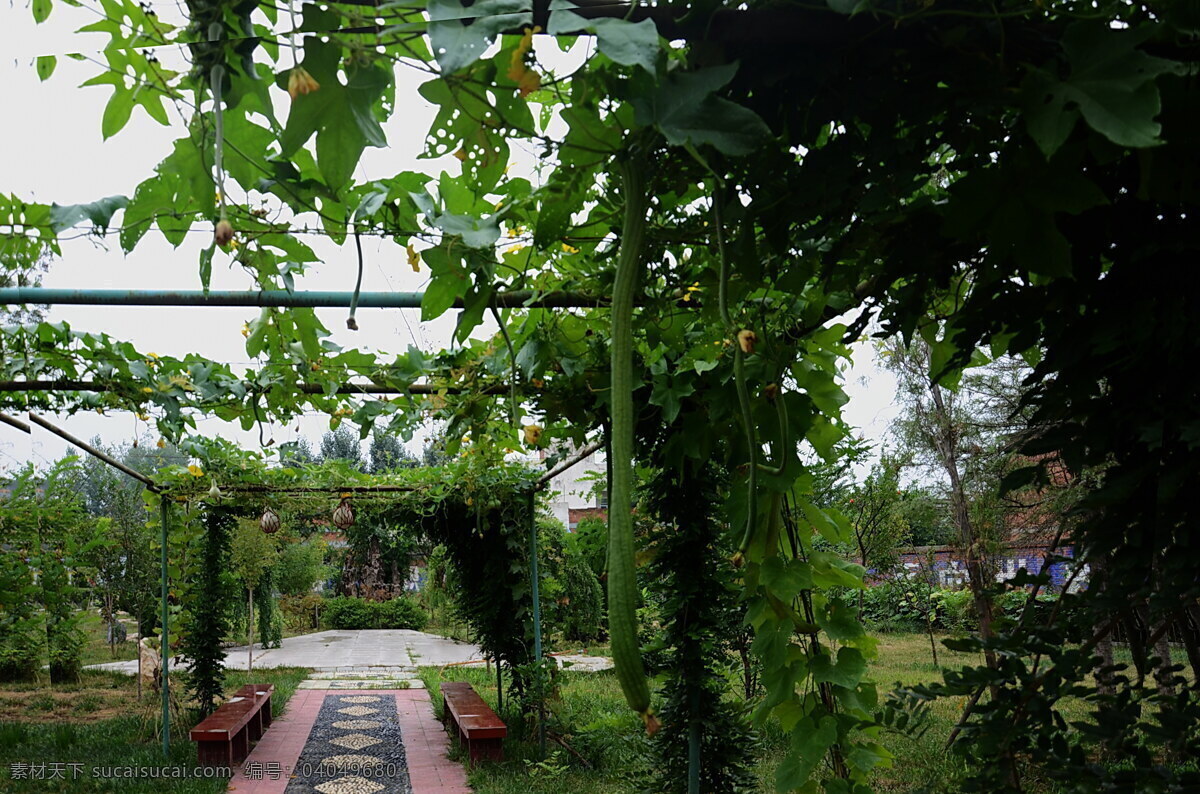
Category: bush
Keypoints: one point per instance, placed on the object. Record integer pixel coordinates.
(301, 613)
(20, 651)
(347, 613)
(401, 613)
(895, 604)
(958, 610)
(66, 654)
(572, 599)
(300, 567)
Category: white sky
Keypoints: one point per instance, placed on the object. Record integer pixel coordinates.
(51, 150)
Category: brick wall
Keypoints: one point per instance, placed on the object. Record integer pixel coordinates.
(949, 567)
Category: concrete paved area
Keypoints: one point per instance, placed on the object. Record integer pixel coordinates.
(364, 651)
(345, 650)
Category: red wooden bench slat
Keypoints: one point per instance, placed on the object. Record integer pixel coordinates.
(474, 721)
(223, 738)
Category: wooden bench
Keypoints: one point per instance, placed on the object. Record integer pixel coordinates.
(474, 721)
(223, 738)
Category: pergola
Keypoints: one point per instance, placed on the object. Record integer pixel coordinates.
(43, 296)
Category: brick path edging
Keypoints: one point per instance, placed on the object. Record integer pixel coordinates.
(426, 744)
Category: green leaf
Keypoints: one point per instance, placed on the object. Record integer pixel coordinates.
(41, 10)
(98, 212)
(206, 256)
(849, 670)
(440, 295)
(810, 741)
(45, 66)
(460, 34)
(256, 341)
(364, 87)
(475, 232)
(116, 112)
(341, 116)
(686, 110)
(182, 189)
(786, 578)
(824, 523)
(668, 392)
(627, 43)
(1111, 85)
(840, 622)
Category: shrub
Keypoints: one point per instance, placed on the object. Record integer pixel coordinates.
(20, 651)
(302, 612)
(400, 613)
(301, 566)
(348, 613)
(895, 604)
(66, 654)
(958, 610)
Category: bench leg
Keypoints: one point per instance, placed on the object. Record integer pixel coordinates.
(485, 749)
(266, 713)
(215, 753)
(255, 727)
(241, 745)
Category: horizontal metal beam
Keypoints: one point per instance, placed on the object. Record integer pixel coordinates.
(88, 448)
(44, 296)
(304, 388)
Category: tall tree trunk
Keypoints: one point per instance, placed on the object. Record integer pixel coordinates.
(1105, 684)
(947, 443)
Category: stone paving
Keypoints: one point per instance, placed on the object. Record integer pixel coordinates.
(367, 650)
(353, 743)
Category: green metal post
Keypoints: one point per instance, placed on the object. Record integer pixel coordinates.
(537, 625)
(166, 650)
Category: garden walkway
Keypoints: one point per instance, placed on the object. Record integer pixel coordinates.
(368, 648)
(369, 741)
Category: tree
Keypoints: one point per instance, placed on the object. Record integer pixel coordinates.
(342, 444)
(296, 453)
(127, 569)
(387, 453)
(23, 261)
(877, 523)
(252, 553)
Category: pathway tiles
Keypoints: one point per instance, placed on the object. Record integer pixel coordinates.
(362, 742)
(354, 747)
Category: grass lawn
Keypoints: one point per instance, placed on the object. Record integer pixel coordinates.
(611, 756)
(96, 649)
(99, 723)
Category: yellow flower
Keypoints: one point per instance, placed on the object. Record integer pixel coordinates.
(570, 249)
(527, 80)
(144, 417)
(162, 443)
(246, 329)
(414, 259)
(195, 470)
(301, 82)
(533, 434)
(147, 390)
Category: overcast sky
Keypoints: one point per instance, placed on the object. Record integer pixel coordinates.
(51, 150)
